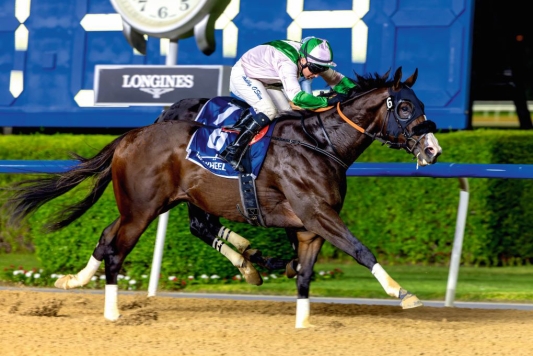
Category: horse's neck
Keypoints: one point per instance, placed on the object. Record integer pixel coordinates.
(366, 113)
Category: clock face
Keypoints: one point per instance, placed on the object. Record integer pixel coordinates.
(157, 16)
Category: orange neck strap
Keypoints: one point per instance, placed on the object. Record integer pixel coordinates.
(350, 122)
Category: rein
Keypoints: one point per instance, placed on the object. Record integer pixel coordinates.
(429, 127)
(314, 148)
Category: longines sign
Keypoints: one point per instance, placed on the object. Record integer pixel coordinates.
(162, 85)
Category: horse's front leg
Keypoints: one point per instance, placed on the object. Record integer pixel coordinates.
(407, 299)
(338, 234)
(309, 245)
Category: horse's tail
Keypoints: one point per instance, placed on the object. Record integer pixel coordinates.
(30, 195)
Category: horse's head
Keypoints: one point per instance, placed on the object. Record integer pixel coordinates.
(406, 125)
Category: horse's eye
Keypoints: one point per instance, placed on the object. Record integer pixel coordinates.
(404, 110)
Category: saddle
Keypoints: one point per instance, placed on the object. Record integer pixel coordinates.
(218, 115)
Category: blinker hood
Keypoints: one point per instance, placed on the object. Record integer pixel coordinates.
(397, 126)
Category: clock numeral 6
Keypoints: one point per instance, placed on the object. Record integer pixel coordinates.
(162, 12)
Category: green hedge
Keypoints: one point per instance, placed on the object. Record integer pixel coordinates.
(402, 220)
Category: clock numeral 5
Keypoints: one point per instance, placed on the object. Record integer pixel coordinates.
(184, 5)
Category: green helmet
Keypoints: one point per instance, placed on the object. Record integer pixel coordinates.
(318, 51)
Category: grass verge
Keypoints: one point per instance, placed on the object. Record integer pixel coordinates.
(498, 284)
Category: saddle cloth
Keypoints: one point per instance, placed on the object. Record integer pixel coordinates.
(210, 139)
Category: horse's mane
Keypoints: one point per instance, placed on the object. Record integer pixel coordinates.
(370, 81)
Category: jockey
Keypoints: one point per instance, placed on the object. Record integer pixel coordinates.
(267, 78)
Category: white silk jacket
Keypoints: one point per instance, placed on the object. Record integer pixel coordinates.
(270, 66)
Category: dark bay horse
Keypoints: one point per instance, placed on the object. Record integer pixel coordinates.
(301, 186)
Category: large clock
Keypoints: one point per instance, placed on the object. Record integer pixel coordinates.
(171, 19)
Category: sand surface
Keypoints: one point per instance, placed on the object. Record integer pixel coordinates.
(44, 323)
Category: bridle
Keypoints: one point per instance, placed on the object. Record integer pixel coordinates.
(392, 103)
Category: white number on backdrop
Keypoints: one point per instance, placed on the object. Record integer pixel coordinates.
(332, 19)
(301, 19)
(16, 78)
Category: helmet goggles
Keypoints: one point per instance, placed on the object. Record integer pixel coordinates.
(315, 68)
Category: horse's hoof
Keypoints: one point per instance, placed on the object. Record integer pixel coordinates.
(305, 325)
(290, 269)
(250, 274)
(410, 301)
(112, 316)
(62, 283)
(252, 254)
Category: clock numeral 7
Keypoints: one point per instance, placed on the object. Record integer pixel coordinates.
(143, 4)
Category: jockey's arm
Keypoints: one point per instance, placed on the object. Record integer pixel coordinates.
(296, 95)
(309, 101)
(304, 100)
(337, 81)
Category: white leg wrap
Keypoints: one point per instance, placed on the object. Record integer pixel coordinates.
(84, 276)
(233, 238)
(81, 278)
(111, 302)
(302, 313)
(391, 287)
(236, 258)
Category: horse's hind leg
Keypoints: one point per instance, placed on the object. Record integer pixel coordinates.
(208, 228)
(116, 242)
(116, 249)
(84, 276)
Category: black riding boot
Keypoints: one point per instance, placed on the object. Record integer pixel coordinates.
(249, 126)
(240, 124)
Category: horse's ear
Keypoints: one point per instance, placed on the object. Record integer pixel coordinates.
(397, 79)
(412, 79)
(386, 75)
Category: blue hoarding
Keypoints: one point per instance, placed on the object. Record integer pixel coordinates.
(49, 49)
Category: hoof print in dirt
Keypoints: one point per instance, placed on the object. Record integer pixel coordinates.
(136, 304)
(140, 317)
(50, 308)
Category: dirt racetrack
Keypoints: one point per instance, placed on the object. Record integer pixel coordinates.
(44, 323)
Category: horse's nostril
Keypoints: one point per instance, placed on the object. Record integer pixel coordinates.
(429, 151)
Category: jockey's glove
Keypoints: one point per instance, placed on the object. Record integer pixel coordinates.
(338, 98)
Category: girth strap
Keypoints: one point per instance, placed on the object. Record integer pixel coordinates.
(252, 212)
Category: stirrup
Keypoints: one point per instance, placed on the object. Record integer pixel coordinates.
(238, 126)
(233, 158)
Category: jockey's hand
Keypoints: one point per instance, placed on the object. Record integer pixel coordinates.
(295, 107)
(326, 94)
(339, 98)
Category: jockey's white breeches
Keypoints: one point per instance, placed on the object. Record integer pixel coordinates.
(269, 100)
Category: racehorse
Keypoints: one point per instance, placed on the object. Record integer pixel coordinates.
(301, 186)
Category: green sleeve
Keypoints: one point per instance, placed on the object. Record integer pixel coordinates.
(309, 101)
(344, 86)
